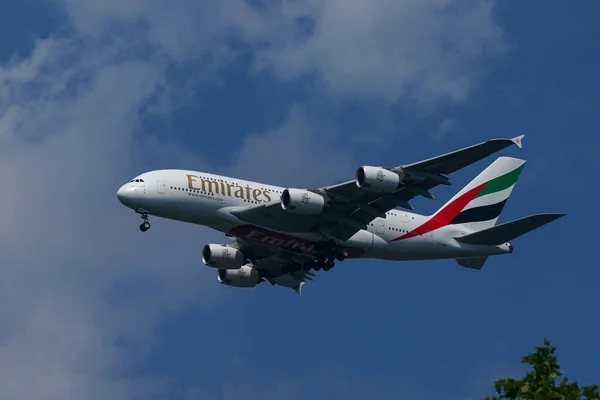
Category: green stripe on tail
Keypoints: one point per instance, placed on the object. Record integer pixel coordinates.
(501, 183)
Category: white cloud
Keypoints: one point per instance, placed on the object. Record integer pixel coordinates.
(428, 50)
(299, 152)
(444, 128)
(77, 275)
(180, 29)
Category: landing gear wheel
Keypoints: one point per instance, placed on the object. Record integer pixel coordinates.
(328, 265)
(319, 264)
(145, 226)
(342, 255)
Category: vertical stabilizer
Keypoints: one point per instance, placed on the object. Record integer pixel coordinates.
(479, 204)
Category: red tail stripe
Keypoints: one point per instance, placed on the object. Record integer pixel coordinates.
(445, 215)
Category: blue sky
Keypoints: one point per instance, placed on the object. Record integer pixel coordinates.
(297, 94)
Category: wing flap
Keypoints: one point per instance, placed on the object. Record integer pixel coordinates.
(508, 231)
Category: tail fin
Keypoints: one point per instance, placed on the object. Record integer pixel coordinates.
(479, 204)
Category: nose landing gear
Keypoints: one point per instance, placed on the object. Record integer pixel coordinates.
(145, 225)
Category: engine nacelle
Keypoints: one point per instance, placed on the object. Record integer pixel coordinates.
(377, 179)
(302, 202)
(219, 256)
(245, 276)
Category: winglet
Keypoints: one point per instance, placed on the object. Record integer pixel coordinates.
(298, 289)
(518, 141)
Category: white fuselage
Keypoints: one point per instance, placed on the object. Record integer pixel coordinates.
(207, 199)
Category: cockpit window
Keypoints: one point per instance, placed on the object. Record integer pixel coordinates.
(136, 180)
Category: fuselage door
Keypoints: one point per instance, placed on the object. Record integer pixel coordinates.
(380, 226)
(161, 187)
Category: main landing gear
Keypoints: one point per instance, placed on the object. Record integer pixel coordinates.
(329, 252)
(145, 225)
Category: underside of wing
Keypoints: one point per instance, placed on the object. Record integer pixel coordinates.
(272, 216)
(278, 267)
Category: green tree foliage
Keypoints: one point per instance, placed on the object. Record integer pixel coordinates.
(541, 383)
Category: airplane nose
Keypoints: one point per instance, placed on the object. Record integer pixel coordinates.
(122, 194)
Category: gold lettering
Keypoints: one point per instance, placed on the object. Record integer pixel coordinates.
(210, 186)
(213, 186)
(266, 194)
(239, 192)
(191, 180)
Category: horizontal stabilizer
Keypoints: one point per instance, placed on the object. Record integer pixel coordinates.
(472, 263)
(503, 233)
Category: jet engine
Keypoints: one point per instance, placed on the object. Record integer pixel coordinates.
(220, 256)
(302, 202)
(245, 276)
(377, 179)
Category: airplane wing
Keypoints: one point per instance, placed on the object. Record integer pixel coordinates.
(350, 208)
(276, 266)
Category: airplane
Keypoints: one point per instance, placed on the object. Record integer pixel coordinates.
(282, 235)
